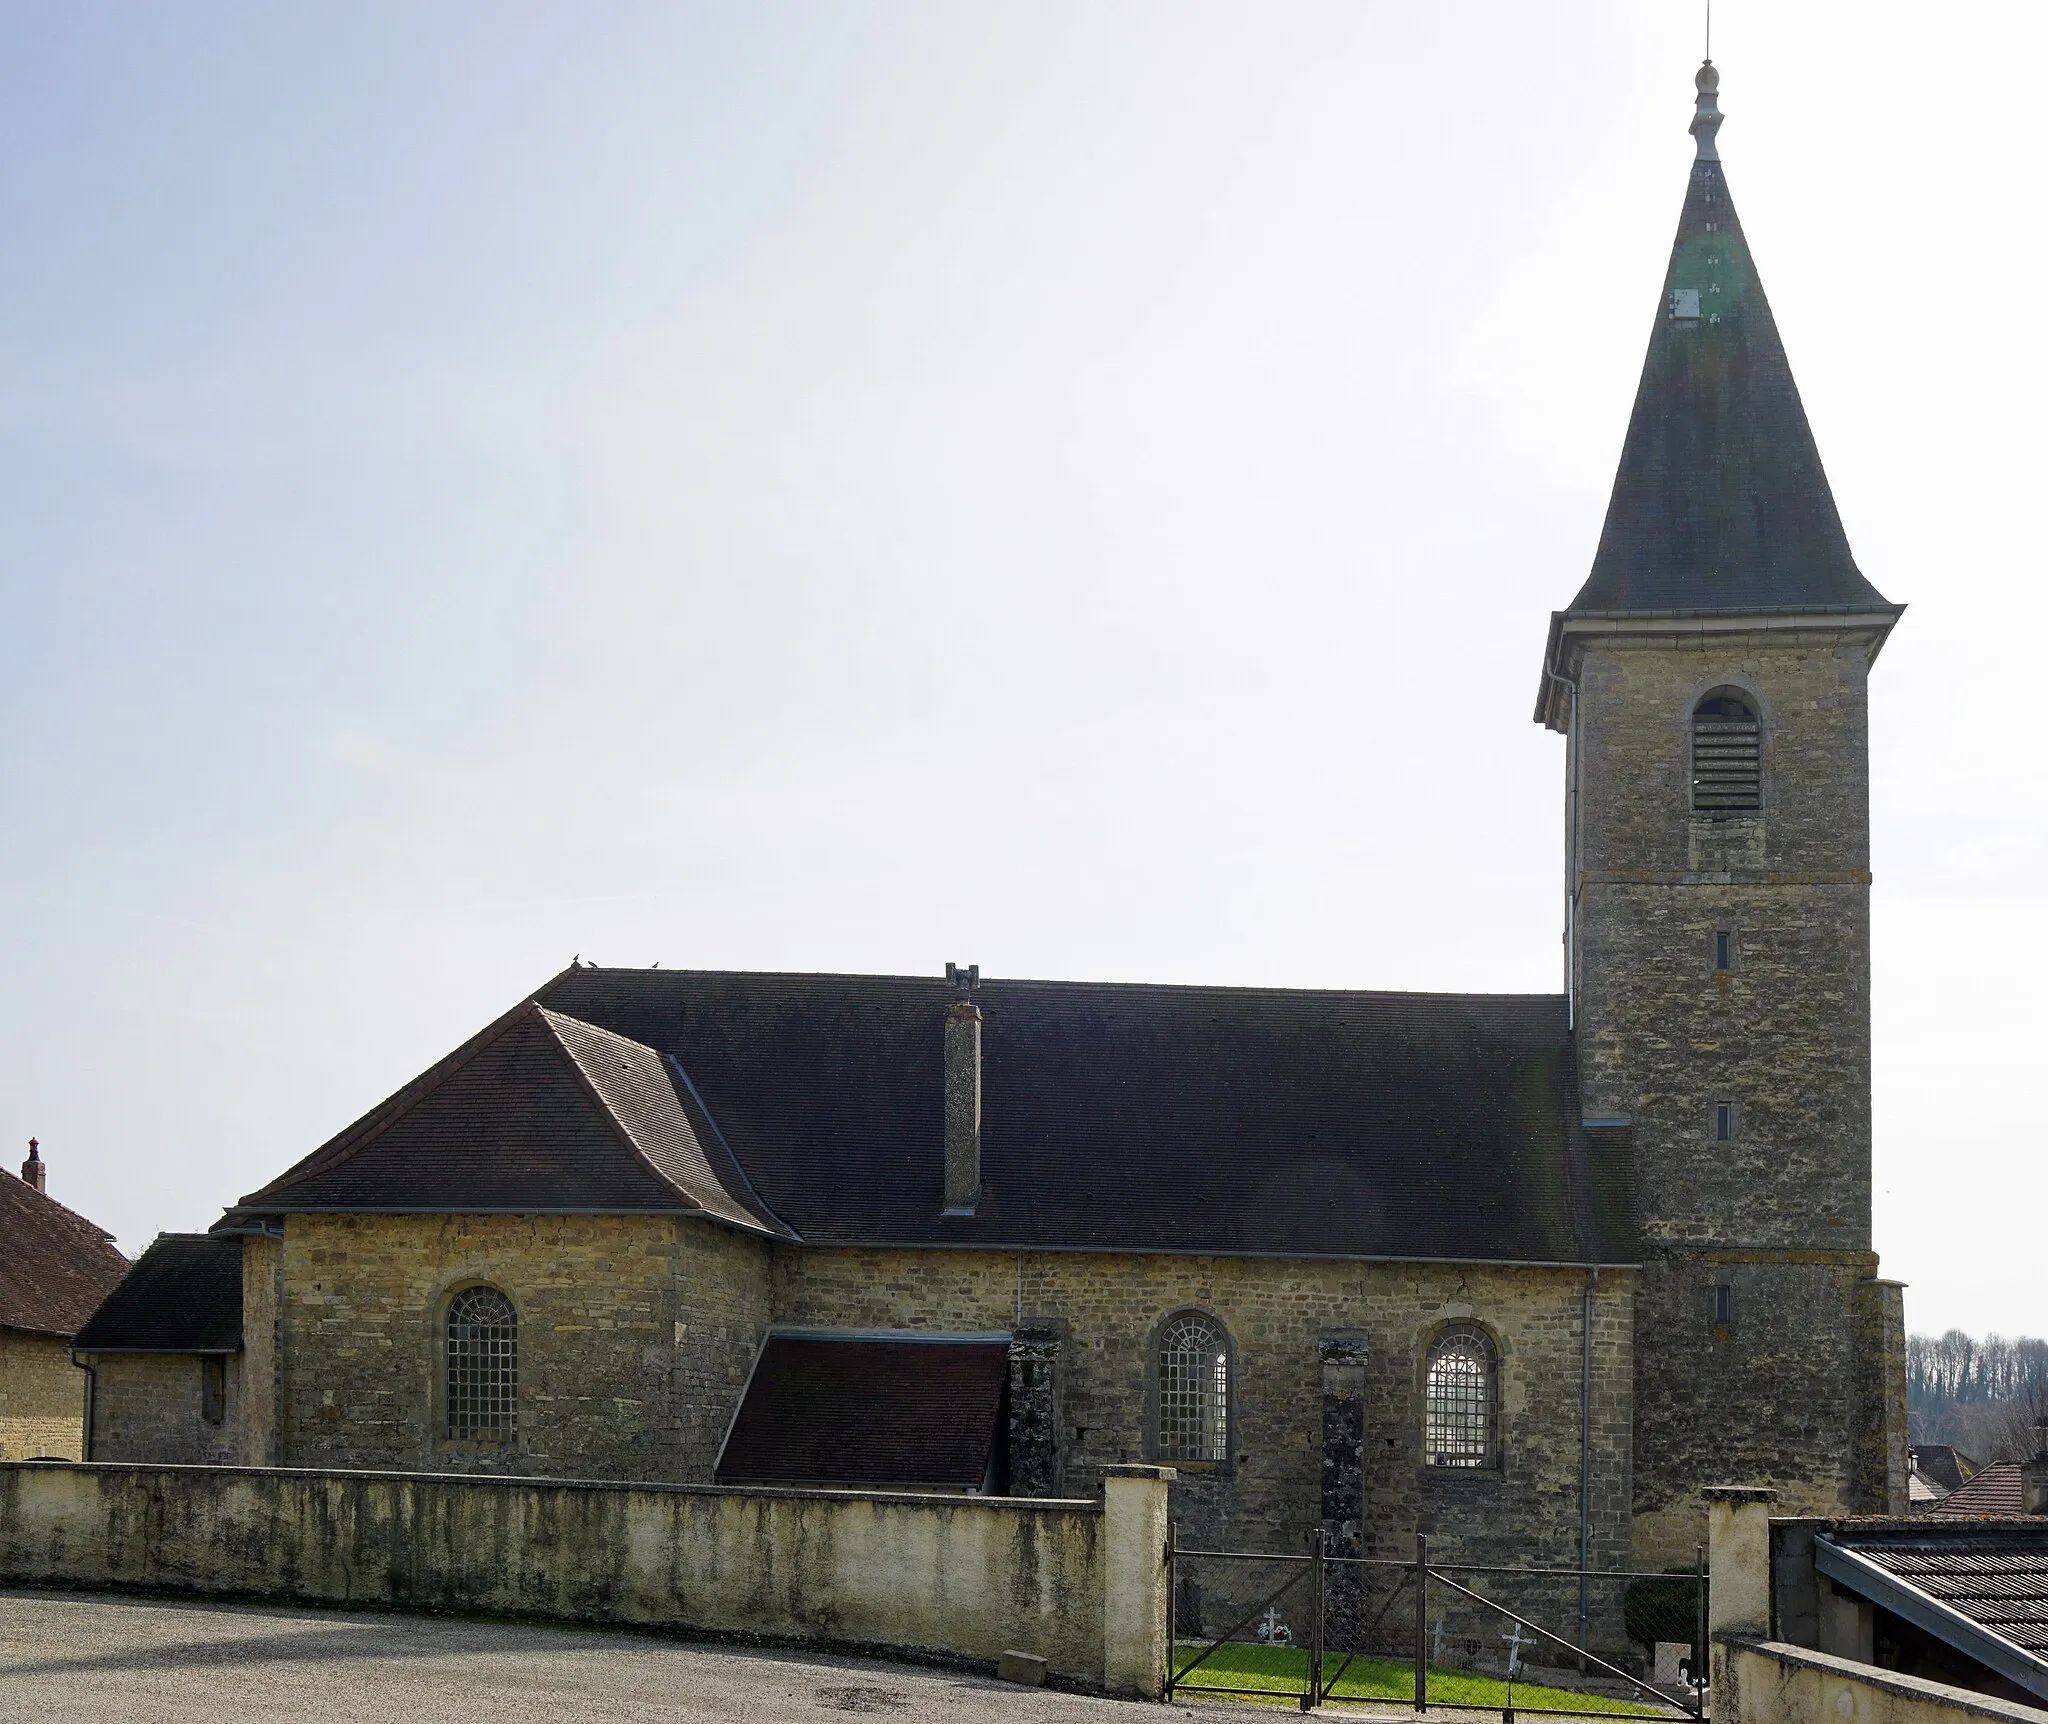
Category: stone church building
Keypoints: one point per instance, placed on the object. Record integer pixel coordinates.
(1522, 1272)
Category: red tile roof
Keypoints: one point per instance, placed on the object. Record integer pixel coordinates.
(1995, 1490)
(55, 1266)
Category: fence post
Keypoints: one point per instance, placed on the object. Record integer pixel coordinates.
(1699, 1632)
(1421, 1622)
(1137, 1615)
(1317, 1603)
(1172, 1604)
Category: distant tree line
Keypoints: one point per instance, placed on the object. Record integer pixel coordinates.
(1986, 1397)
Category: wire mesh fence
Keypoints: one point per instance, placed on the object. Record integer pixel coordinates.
(1316, 1627)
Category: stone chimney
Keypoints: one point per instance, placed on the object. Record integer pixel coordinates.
(2034, 1475)
(963, 1092)
(32, 1169)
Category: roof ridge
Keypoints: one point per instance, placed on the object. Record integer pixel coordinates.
(589, 1085)
(939, 983)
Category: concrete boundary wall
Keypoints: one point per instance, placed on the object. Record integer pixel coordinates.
(1767, 1682)
(966, 1577)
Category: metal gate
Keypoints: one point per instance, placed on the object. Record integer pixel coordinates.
(1315, 1627)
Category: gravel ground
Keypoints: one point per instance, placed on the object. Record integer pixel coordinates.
(81, 1656)
(100, 1659)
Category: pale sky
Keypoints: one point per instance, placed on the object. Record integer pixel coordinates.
(1077, 488)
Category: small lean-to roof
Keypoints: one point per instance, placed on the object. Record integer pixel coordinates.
(538, 1114)
(1233, 1121)
(55, 1265)
(915, 1412)
(182, 1295)
(1980, 1587)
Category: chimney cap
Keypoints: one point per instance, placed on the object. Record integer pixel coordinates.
(33, 1146)
(964, 979)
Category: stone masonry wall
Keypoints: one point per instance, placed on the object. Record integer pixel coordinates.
(42, 1398)
(1105, 1310)
(1790, 1389)
(635, 1336)
(148, 1407)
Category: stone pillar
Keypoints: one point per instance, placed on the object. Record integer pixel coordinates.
(259, 1406)
(1738, 1570)
(1343, 1354)
(1134, 1616)
(1036, 1463)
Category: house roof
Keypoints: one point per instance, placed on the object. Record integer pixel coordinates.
(1995, 1489)
(1980, 1587)
(1720, 502)
(869, 1410)
(55, 1265)
(182, 1295)
(540, 1112)
(1943, 1465)
(1114, 1116)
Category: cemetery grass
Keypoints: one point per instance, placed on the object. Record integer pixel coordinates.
(1283, 1670)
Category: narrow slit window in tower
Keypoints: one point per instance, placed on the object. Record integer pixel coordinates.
(1724, 1122)
(1724, 950)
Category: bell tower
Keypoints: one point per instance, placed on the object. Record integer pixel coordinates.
(1710, 681)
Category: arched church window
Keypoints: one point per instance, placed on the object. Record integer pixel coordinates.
(483, 1367)
(1459, 1425)
(1194, 1390)
(1727, 755)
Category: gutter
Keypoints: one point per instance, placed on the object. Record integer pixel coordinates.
(1924, 1611)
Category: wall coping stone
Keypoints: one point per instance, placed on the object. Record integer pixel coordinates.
(1890, 1681)
(527, 1481)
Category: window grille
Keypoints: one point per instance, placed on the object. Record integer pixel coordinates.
(483, 1367)
(1458, 1402)
(1727, 755)
(1194, 1391)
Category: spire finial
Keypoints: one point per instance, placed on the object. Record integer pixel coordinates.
(1706, 119)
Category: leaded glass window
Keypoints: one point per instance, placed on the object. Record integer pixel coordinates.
(483, 1367)
(1194, 1391)
(1458, 1400)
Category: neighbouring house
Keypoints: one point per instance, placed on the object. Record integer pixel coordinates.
(1933, 1471)
(1997, 1489)
(1525, 1272)
(164, 1349)
(55, 1266)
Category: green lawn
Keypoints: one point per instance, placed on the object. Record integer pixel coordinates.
(1283, 1670)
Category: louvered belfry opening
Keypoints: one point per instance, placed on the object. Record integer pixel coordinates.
(1727, 755)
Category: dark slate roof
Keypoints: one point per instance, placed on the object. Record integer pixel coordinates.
(1720, 502)
(55, 1265)
(539, 1113)
(1943, 1465)
(851, 1410)
(183, 1295)
(1118, 1117)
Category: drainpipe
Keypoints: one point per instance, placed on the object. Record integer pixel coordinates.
(1586, 1453)
(92, 1383)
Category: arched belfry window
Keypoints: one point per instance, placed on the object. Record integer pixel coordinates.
(1460, 1427)
(483, 1367)
(1194, 1389)
(1727, 755)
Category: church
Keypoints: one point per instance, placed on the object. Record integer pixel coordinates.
(1524, 1273)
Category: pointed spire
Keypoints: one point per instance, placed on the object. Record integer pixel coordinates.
(1720, 502)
